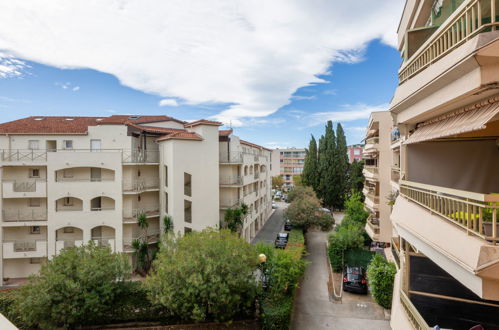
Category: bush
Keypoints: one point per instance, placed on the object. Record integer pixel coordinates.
(79, 286)
(300, 192)
(203, 276)
(381, 274)
(276, 313)
(305, 212)
(358, 257)
(355, 211)
(347, 237)
(7, 308)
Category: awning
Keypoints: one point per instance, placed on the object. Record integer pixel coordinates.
(468, 119)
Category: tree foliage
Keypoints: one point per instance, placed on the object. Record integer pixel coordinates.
(328, 180)
(356, 176)
(347, 237)
(305, 211)
(234, 218)
(277, 182)
(355, 211)
(167, 224)
(79, 286)
(297, 180)
(310, 174)
(381, 275)
(206, 275)
(300, 192)
(141, 248)
(341, 165)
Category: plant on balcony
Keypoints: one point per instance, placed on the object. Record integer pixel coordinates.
(234, 218)
(167, 224)
(79, 286)
(381, 275)
(206, 275)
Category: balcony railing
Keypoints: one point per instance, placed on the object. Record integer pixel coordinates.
(20, 155)
(229, 204)
(417, 321)
(140, 156)
(373, 223)
(474, 212)
(132, 215)
(256, 175)
(24, 249)
(371, 168)
(141, 185)
(18, 215)
(464, 24)
(231, 180)
(231, 158)
(373, 140)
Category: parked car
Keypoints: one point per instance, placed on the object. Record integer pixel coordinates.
(354, 280)
(280, 243)
(287, 225)
(283, 236)
(274, 205)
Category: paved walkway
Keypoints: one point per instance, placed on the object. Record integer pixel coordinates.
(273, 225)
(314, 311)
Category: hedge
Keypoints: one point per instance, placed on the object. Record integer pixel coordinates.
(381, 274)
(276, 313)
(358, 257)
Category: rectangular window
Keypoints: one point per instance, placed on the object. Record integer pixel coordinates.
(34, 230)
(166, 203)
(33, 144)
(34, 172)
(166, 176)
(34, 202)
(356, 151)
(187, 211)
(95, 145)
(67, 144)
(68, 201)
(187, 184)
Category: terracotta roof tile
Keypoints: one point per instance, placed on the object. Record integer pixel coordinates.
(136, 119)
(254, 145)
(203, 122)
(157, 129)
(181, 136)
(225, 132)
(49, 125)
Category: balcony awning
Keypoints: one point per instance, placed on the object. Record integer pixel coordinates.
(468, 119)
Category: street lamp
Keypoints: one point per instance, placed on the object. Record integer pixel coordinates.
(262, 259)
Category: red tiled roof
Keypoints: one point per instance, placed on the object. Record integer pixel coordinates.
(225, 132)
(181, 136)
(157, 129)
(203, 122)
(254, 145)
(49, 125)
(136, 119)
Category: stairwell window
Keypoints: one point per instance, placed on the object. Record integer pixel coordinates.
(166, 203)
(166, 176)
(33, 144)
(187, 184)
(187, 211)
(34, 230)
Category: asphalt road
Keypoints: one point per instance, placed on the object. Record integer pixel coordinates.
(313, 310)
(273, 226)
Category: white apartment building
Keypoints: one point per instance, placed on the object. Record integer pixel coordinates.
(377, 167)
(69, 180)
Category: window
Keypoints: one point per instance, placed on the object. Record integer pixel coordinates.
(34, 202)
(166, 176)
(68, 230)
(95, 145)
(187, 184)
(67, 173)
(68, 201)
(187, 211)
(356, 151)
(34, 230)
(166, 203)
(67, 144)
(33, 144)
(34, 172)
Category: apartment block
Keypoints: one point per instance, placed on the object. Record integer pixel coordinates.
(355, 152)
(446, 145)
(377, 169)
(291, 162)
(70, 180)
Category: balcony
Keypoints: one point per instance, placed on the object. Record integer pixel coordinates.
(24, 249)
(473, 17)
(230, 204)
(372, 228)
(416, 320)
(108, 242)
(395, 174)
(371, 171)
(138, 186)
(24, 155)
(475, 213)
(21, 215)
(140, 156)
(130, 216)
(231, 181)
(230, 158)
(152, 238)
(66, 244)
(256, 175)
(371, 145)
(19, 189)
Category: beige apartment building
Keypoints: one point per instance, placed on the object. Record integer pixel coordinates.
(446, 144)
(291, 161)
(70, 180)
(377, 170)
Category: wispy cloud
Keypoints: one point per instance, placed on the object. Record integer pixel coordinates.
(301, 97)
(68, 86)
(76, 88)
(347, 113)
(330, 92)
(251, 56)
(13, 100)
(168, 102)
(10, 66)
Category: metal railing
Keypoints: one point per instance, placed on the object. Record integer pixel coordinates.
(24, 186)
(474, 212)
(24, 245)
(97, 209)
(231, 180)
(231, 157)
(462, 26)
(16, 155)
(140, 156)
(141, 185)
(15, 215)
(134, 213)
(230, 203)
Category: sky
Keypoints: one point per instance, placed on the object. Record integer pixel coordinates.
(274, 71)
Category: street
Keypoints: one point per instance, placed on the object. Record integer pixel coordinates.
(273, 225)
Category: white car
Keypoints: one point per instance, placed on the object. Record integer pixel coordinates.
(274, 205)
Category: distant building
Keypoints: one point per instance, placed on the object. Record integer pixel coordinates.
(355, 152)
(291, 162)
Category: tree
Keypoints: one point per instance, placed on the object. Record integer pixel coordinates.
(141, 247)
(381, 275)
(356, 176)
(300, 192)
(355, 211)
(297, 180)
(341, 166)
(348, 236)
(277, 182)
(306, 212)
(328, 182)
(79, 286)
(167, 224)
(310, 174)
(234, 218)
(206, 275)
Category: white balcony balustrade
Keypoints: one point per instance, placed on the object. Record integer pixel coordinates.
(28, 188)
(66, 244)
(24, 249)
(20, 215)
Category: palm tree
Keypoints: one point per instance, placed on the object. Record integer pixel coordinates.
(167, 224)
(141, 245)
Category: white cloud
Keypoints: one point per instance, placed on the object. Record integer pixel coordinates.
(347, 113)
(250, 55)
(168, 102)
(10, 67)
(76, 88)
(301, 97)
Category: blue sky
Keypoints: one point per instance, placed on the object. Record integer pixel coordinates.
(276, 71)
(371, 81)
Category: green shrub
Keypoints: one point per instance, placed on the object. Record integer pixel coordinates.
(276, 313)
(358, 257)
(299, 192)
(347, 237)
(296, 237)
(7, 308)
(355, 211)
(381, 274)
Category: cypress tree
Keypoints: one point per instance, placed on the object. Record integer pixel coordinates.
(320, 168)
(328, 167)
(356, 177)
(310, 172)
(342, 167)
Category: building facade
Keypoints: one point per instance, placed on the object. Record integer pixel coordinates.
(355, 152)
(291, 162)
(445, 145)
(377, 167)
(70, 180)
